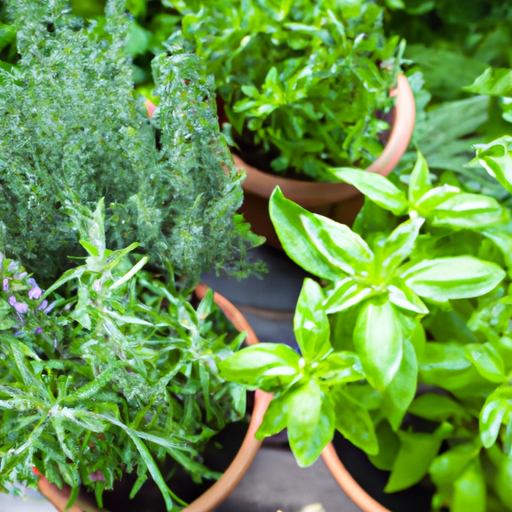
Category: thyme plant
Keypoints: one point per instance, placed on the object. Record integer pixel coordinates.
(71, 128)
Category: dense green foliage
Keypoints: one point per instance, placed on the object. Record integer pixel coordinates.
(72, 129)
(425, 300)
(115, 374)
(300, 81)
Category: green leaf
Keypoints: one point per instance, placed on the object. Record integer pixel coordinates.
(269, 366)
(378, 341)
(468, 211)
(460, 277)
(496, 158)
(287, 219)
(276, 417)
(491, 418)
(417, 451)
(434, 197)
(470, 491)
(503, 484)
(310, 423)
(374, 186)
(347, 293)
(487, 361)
(389, 445)
(354, 422)
(404, 298)
(493, 82)
(399, 245)
(342, 247)
(310, 322)
(439, 408)
(449, 466)
(339, 367)
(401, 391)
(418, 183)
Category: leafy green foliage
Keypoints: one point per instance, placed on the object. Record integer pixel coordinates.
(301, 82)
(72, 129)
(112, 377)
(418, 300)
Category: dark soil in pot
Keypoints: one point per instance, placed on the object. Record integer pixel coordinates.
(417, 498)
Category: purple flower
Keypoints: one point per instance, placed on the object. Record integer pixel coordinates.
(20, 307)
(13, 266)
(31, 281)
(6, 285)
(97, 476)
(38, 330)
(43, 305)
(50, 307)
(21, 276)
(35, 293)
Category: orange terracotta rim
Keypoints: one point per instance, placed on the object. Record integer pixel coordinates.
(311, 194)
(345, 480)
(221, 489)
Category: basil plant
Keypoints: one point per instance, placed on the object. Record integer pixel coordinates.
(404, 335)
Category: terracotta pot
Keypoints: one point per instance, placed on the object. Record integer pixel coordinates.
(352, 489)
(339, 201)
(221, 489)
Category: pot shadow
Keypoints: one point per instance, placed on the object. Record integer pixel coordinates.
(373, 480)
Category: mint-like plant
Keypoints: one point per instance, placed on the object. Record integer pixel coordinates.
(111, 377)
(403, 302)
(72, 129)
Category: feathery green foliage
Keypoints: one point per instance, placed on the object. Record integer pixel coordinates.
(71, 129)
(116, 374)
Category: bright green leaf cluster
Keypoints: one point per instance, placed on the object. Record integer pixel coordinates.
(418, 300)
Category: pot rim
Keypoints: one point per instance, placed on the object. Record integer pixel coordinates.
(311, 194)
(346, 481)
(221, 489)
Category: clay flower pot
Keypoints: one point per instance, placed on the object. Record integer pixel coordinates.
(352, 489)
(221, 489)
(339, 201)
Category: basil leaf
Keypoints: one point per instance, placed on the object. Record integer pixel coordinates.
(310, 423)
(418, 182)
(416, 453)
(339, 244)
(347, 293)
(268, 366)
(453, 278)
(491, 418)
(374, 186)
(487, 361)
(378, 341)
(355, 423)
(434, 407)
(287, 219)
(399, 245)
(493, 82)
(310, 323)
(276, 417)
(434, 197)
(449, 466)
(470, 490)
(340, 367)
(406, 299)
(401, 391)
(496, 158)
(468, 211)
(389, 445)
(503, 484)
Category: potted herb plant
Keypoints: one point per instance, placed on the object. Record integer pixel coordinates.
(112, 369)
(301, 86)
(404, 339)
